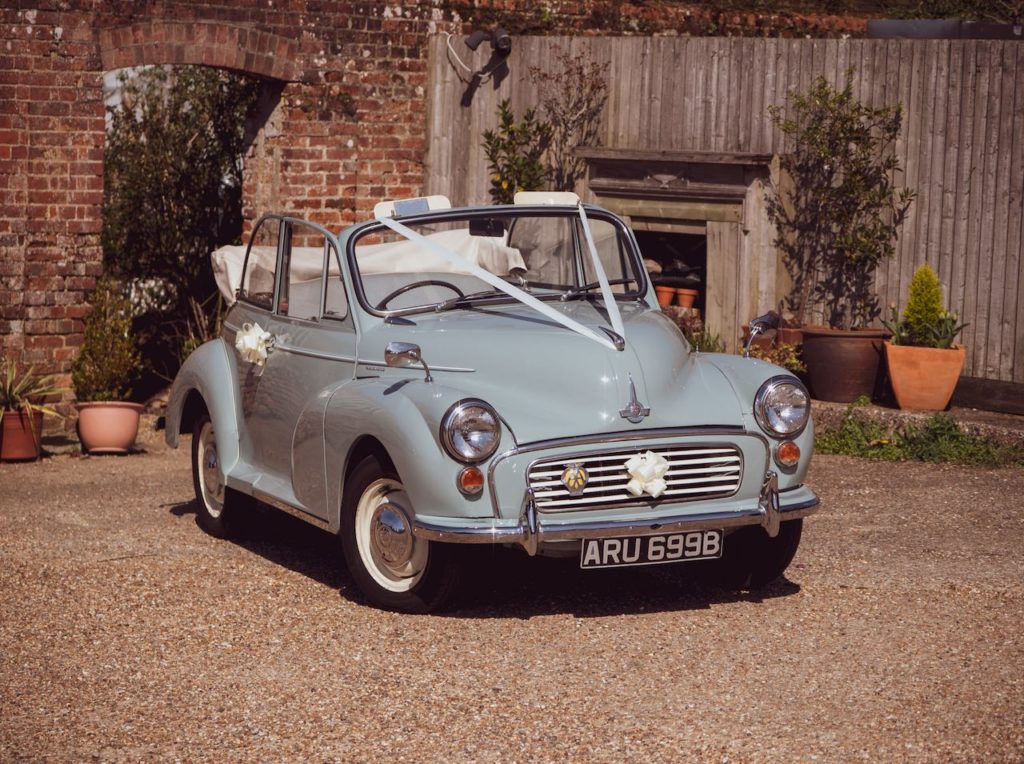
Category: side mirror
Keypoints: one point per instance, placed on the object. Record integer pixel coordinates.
(760, 325)
(769, 320)
(405, 354)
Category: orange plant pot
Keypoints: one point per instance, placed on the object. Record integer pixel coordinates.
(924, 379)
(20, 437)
(686, 297)
(665, 295)
(108, 427)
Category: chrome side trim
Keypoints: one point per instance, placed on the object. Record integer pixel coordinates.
(315, 353)
(613, 437)
(287, 508)
(383, 364)
(530, 531)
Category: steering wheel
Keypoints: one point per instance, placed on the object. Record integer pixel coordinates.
(415, 285)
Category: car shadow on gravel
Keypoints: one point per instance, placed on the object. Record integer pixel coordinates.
(506, 583)
(286, 541)
(500, 582)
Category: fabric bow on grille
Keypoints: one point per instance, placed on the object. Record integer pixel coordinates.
(253, 343)
(647, 474)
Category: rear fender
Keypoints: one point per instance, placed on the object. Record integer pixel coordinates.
(208, 372)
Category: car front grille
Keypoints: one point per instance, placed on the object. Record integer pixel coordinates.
(696, 473)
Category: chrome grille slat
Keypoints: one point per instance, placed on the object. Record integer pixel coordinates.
(697, 473)
(618, 467)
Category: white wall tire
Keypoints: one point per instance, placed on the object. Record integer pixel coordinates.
(392, 568)
(217, 502)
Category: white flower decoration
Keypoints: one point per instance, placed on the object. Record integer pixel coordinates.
(647, 474)
(253, 343)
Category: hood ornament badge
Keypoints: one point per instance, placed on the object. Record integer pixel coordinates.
(634, 411)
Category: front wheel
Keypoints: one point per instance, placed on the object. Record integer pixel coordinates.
(392, 568)
(752, 559)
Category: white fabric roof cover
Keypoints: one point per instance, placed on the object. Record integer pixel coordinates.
(393, 257)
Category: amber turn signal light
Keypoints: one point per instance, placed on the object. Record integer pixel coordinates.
(471, 481)
(787, 454)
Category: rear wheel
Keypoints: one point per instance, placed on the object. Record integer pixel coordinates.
(392, 568)
(218, 504)
(753, 559)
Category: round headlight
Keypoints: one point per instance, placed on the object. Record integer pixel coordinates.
(782, 407)
(470, 431)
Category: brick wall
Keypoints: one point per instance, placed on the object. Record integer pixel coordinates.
(348, 130)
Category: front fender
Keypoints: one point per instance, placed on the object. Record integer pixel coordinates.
(208, 372)
(404, 415)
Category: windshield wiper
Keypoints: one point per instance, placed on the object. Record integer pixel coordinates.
(578, 291)
(467, 299)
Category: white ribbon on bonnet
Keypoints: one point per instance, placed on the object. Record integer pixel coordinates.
(647, 474)
(252, 343)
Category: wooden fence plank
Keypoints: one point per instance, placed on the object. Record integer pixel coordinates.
(1013, 308)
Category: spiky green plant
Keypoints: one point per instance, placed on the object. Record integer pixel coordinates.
(26, 392)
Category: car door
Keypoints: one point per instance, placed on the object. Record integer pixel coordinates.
(313, 353)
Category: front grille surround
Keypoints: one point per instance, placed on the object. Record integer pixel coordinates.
(698, 472)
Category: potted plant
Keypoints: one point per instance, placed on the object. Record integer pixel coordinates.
(924, 363)
(102, 373)
(21, 412)
(837, 219)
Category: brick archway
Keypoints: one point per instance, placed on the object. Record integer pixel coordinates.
(207, 43)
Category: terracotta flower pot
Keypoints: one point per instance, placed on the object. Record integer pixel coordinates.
(665, 295)
(108, 427)
(20, 436)
(924, 378)
(686, 297)
(790, 336)
(842, 365)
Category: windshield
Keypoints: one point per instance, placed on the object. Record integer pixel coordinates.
(544, 253)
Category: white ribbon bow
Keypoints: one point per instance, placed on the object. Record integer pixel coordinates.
(252, 343)
(647, 474)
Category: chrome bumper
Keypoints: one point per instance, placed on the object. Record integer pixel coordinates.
(530, 532)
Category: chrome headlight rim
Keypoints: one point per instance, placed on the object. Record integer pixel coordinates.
(451, 418)
(768, 388)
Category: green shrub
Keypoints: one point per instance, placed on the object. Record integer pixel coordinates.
(939, 439)
(924, 321)
(514, 153)
(838, 218)
(924, 302)
(109, 359)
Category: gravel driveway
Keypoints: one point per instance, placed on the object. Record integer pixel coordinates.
(126, 634)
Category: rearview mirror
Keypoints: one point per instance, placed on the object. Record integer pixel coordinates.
(486, 227)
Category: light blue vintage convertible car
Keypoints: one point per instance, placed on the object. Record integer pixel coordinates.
(436, 377)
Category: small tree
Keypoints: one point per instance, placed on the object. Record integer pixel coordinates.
(172, 186)
(572, 98)
(840, 217)
(514, 153)
(109, 359)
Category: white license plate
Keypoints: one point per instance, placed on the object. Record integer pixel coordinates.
(650, 550)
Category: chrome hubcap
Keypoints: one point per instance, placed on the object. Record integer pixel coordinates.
(391, 554)
(391, 535)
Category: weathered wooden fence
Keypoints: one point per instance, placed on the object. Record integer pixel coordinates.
(961, 147)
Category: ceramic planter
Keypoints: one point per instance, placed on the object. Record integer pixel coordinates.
(108, 427)
(685, 298)
(20, 436)
(842, 364)
(665, 295)
(923, 378)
